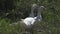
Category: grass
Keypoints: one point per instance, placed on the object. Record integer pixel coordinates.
(50, 24)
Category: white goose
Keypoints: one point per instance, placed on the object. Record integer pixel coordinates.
(32, 19)
(29, 22)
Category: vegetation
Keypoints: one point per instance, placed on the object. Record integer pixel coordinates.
(13, 10)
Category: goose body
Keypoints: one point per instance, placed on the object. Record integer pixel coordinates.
(32, 19)
(29, 21)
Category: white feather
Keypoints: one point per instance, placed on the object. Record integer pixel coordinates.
(29, 21)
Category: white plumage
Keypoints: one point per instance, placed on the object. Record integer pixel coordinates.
(29, 21)
(32, 19)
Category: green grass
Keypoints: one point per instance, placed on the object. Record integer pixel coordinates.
(50, 24)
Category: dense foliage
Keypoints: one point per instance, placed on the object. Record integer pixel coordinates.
(13, 10)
